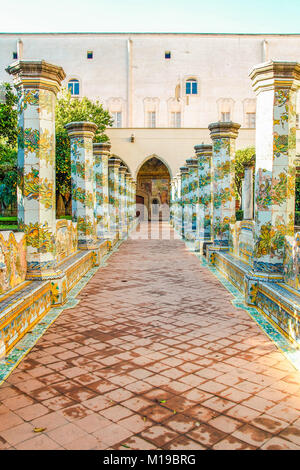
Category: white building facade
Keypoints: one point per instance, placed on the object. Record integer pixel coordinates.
(162, 89)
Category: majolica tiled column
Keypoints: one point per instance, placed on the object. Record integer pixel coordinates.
(223, 135)
(192, 165)
(184, 187)
(113, 194)
(204, 213)
(276, 85)
(127, 199)
(122, 200)
(247, 193)
(134, 200)
(37, 84)
(101, 155)
(81, 136)
(178, 202)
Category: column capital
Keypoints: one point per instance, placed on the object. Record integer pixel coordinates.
(191, 162)
(123, 169)
(81, 129)
(114, 162)
(36, 74)
(183, 170)
(203, 149)
(101, 148)
(220, 130)
(275, 74)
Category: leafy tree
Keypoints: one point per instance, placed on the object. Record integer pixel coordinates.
(8, 145)
(8, 115)
(70, 109)
(242, 158)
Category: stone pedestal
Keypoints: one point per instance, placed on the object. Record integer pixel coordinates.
(101, 152)
(204, 207)
(113, 194)
(37, 84)
(276, 85)
(82, 172)
(223, 135)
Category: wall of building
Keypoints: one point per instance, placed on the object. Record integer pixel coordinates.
(129, 71)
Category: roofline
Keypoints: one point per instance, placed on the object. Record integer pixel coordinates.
(143, 33)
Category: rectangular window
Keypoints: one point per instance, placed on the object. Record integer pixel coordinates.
(117, 117)
(89, 54)
(168, 55)
(176, 119)
(191, 87)
(225, 117)
(15, 55)
(250, 120)
(151, 119)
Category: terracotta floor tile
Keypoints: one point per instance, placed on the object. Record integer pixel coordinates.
(156, 360)
(252, 435)
(18, 434)
(137, 404)
(180, 423)
(291, 433)
(66, 433)
(206, 435)
(39, 442)
(112, 434)
(231, 443)
(159, 435)
(277, 443)
(116, 413)
(135, 443)
(32, 411)
(183, 443)
(157, 413)
(49, 421)
(136, 423)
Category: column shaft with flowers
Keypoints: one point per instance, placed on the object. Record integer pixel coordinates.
(184, 190)
(101, 155)
(122, 202)
(205, 208)
(81, 136)
(276, 85)
(37, 84)
(113, 194)
(192, 165)
(223, 135)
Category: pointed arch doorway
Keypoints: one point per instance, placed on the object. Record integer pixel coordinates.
(153, 188)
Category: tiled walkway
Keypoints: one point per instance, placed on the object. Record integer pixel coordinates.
(154, 356)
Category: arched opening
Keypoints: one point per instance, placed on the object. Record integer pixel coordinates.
(153, 183)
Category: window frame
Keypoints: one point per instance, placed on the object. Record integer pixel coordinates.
(192, 83)
(117, 117)
(71, 86)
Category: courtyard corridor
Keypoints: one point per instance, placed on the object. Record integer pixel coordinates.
(153, 356)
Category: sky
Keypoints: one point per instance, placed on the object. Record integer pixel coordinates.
(191, 16)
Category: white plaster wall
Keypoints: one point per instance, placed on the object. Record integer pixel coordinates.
(220, 62)
(172, 146)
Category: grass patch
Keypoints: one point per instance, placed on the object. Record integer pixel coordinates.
(8, 227)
